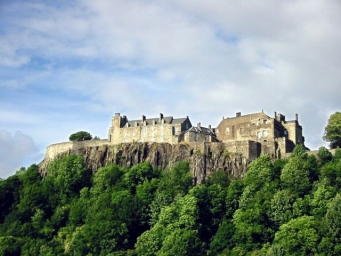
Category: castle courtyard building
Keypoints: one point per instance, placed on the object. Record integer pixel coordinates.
(274, 135)
(158, 129)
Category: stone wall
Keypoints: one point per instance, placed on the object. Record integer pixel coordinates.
(54, 150)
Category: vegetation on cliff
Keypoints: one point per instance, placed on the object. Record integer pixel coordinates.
(332, 132)
(286, 207)
(80, 136)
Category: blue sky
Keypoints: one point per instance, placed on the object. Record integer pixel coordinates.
(67, 66)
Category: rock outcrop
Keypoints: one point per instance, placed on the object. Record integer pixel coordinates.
(204, 158)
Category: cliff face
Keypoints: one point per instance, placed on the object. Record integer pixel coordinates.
(204, 159)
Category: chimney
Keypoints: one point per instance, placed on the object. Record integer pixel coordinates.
(209, 127)
(275, 114)
(199, 125)
(143, 118)
(238, 114)
(161, 117)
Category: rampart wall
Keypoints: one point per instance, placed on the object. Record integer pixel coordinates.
(53, 150)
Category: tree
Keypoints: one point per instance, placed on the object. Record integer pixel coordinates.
(295, 177)
(79, 136)
(297, 237)
(324, 155)
(332, 132)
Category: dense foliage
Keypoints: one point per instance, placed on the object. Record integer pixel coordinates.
(285, 207)
(332, 132)
(81, 135)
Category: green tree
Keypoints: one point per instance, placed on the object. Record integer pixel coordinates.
(79, 136)
(297, 237)
(332, 132)
(324, 155)
(176, 181)
(281, 207)
(295, 177)
(175, 232)
(332, 219)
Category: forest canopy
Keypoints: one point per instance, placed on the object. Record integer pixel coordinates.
(282, 207)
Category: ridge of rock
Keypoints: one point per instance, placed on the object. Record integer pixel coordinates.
(203, 159)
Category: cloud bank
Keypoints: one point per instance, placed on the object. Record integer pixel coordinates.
(16, 151)
(69, 66)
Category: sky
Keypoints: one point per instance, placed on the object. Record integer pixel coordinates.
(67, 66)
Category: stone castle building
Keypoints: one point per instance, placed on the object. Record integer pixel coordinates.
(250, 135)
(271, 135)
(159, 129)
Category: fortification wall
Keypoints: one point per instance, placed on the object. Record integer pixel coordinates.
(53, 150)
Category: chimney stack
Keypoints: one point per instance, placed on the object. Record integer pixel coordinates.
(238, 114)
(143, 118)
(161, 117)
(199, 125)
(297, 117)
(209, 127)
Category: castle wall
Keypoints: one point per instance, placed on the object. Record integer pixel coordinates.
(53, 150)
(148, 133)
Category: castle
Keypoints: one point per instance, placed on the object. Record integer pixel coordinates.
(250, 135)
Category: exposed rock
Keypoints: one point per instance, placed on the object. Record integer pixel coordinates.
(204, 159)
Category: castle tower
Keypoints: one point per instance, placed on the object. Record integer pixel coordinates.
(116, 123)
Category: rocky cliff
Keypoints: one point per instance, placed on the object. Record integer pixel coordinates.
(204, 158)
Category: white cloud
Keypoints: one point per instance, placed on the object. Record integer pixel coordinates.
(15, 151)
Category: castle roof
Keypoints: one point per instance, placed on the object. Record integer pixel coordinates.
(157, 121)
(203, 130)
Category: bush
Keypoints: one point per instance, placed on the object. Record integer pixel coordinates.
(79, 136)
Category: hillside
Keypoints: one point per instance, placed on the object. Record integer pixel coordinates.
(285, 207)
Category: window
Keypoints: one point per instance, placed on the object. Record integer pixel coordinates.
(265, 121)
(227, 130)
(186, 126)
(265, 133)
(196, 137)
(259, 135)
